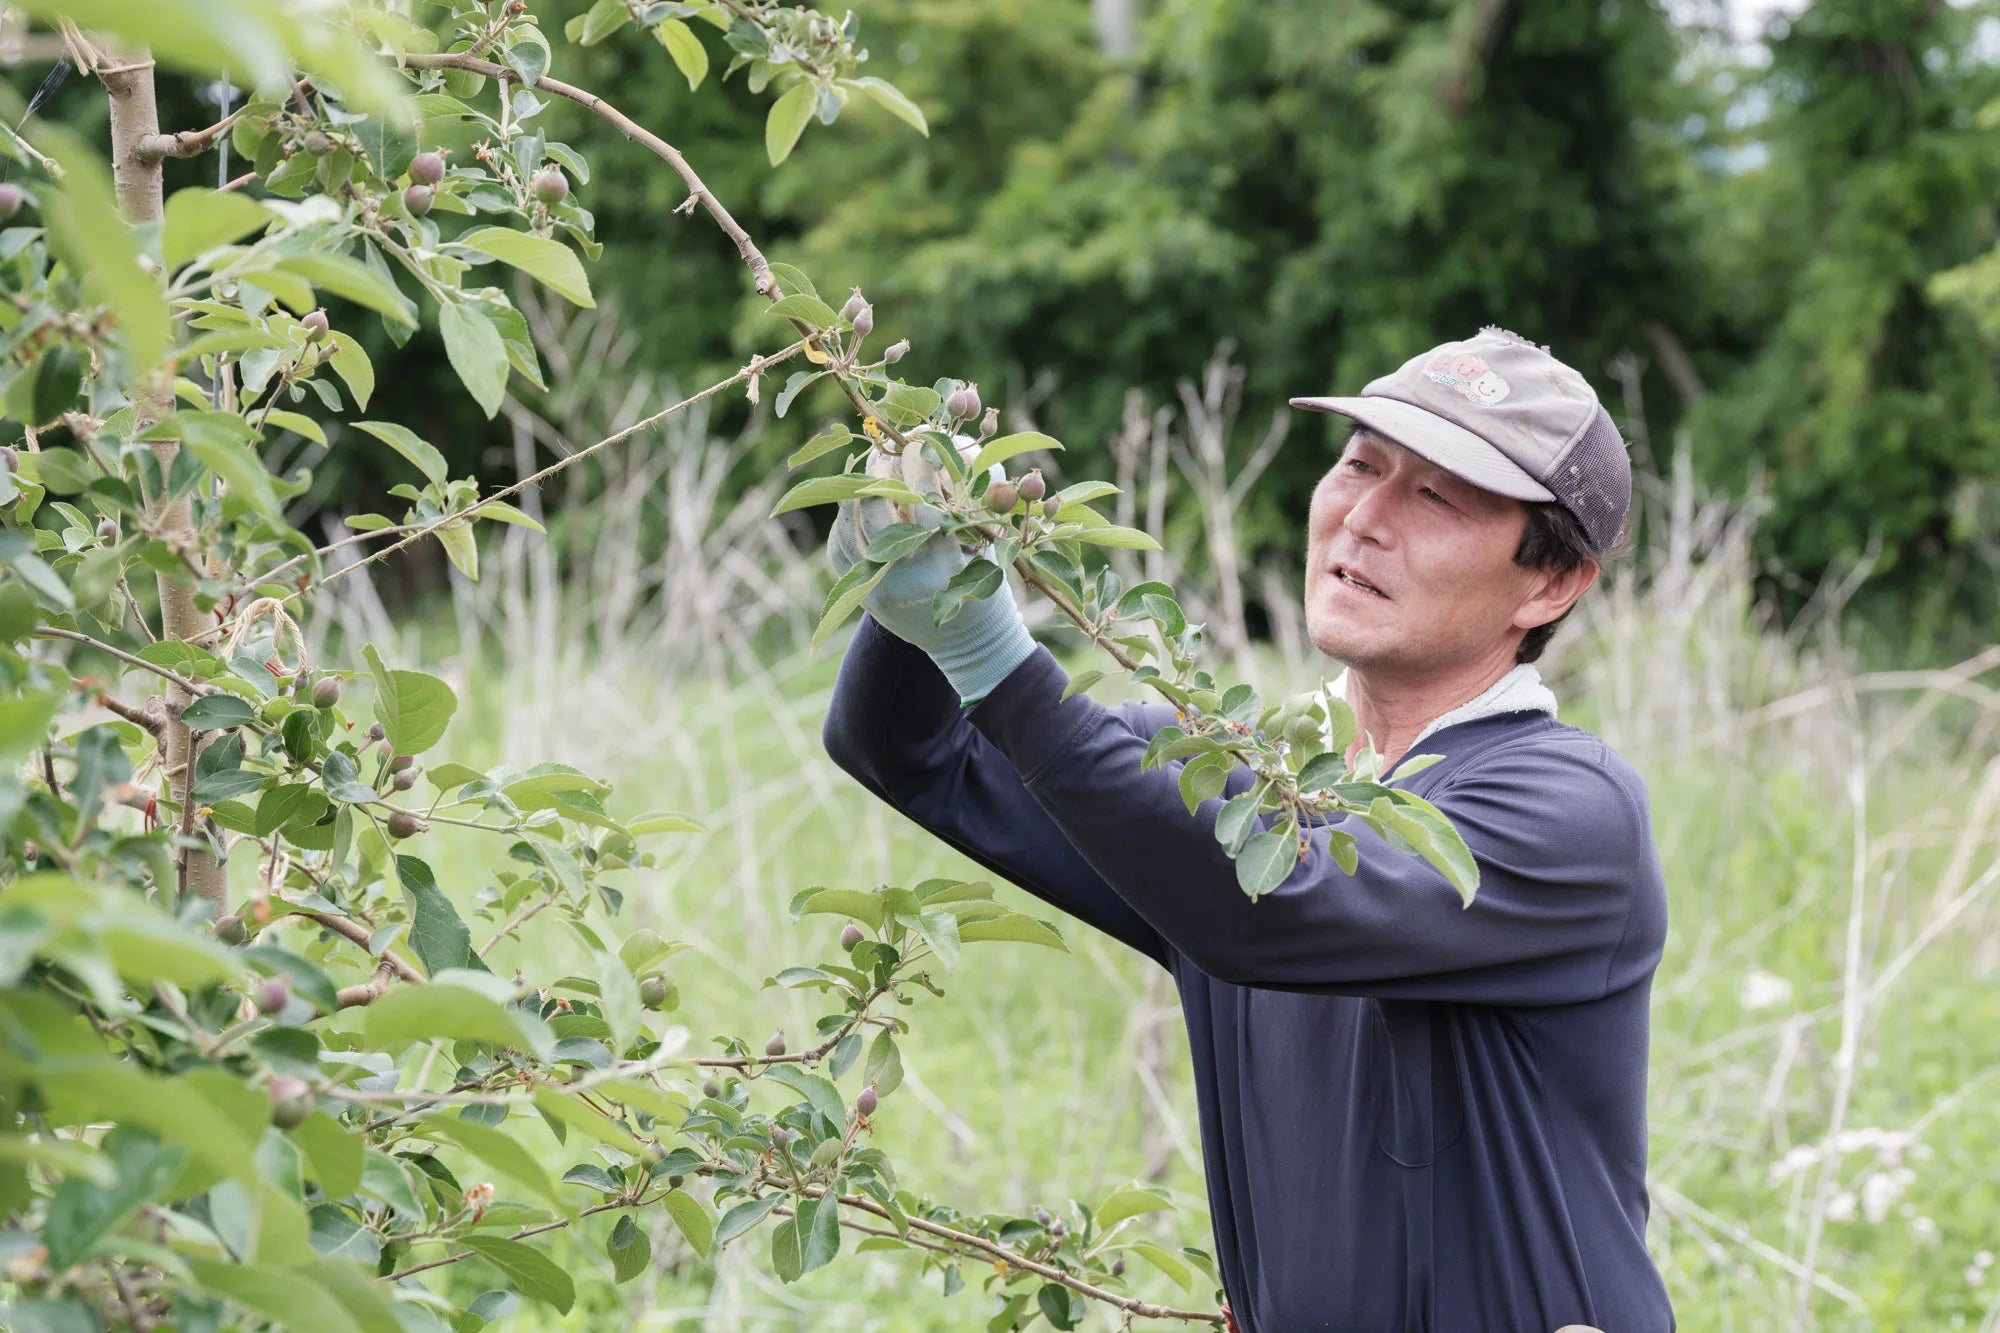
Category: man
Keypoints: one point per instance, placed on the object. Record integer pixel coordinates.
(1414, 1115)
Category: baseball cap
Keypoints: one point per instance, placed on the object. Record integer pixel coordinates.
(1505, 415)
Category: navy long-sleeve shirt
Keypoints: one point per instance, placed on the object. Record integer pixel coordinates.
(1415, 1116)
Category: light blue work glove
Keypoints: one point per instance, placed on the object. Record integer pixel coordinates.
(975, 649)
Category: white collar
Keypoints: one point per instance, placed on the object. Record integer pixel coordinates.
(1519, 691)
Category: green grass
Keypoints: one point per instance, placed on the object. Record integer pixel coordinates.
(1045, 1077)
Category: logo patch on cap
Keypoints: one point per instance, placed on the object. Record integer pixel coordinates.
(1469, 376)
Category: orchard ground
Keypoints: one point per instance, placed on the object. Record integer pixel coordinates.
(1825, 1093)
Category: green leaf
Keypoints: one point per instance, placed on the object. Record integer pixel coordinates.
(823, 443)
(438, 934)
(459, 1005)
(1081, 681)
(693, 1220)
(333, 1156)
(1057, 1305)
(891, 99)
(808, 309)
(502, 512)
(792, 279)
(351, 363)
(1112, 535)
(405, 442)
(1129, 1201)
(1236, 818)
(816, 1089)
(1015, 928)
(898, 540)
(745, 1216)
(198, 220)
(618, 995)
(978, 579)
(1204, 778)
(1167, 1263)
(533, 1273)
(87, 228)
(145, 948)
(213, 712)
(221, 440)
(665, 823)
(787, 120)
(857, 903)
(355, 281)
(413, 708)
(847, 593)
(884, 1070)
(629, 1250)
(473, 345)
(282, 1295)
(549, 262)
(1266, 860)
(787, 1257)
(819, 1232)
(686, 49)
(822, 490)
(1005, 447)
(1322, 771)
(940, 931)
(1425, 828)
(343, 781)
(495, 1148)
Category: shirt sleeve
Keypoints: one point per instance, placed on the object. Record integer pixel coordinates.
(896, 725)
(1561, 843)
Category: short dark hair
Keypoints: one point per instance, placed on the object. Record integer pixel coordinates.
(1554, 540)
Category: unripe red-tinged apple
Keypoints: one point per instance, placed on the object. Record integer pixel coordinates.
(315, 325)
(107, 530)
(867, 1101)
(1033, 487)
(855, 305)
(427, 168)
(896, 352)
(850, 935)
(550, 185)
(317, 143)
(776, 1045)
(12, 197)
(229, 928)
(326, 691)
(273, 993)
(291, 1101)
(864, 323)
(711, 1089)
(963, 401)
(403, 824)
(401, 762)
(1002, 496)
(404, 780)
(1051, 506)
(780, 1136)
(418, 200)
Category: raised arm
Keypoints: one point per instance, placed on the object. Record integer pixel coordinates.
(1562, 914)
(898, 727)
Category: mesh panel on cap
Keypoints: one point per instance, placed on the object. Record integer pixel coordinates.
(1593, 480)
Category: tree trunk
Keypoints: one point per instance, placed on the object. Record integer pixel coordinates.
(135, 114)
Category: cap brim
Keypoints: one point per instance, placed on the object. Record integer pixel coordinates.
(1442, 441)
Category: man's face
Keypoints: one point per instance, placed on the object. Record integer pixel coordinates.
(1438, 553)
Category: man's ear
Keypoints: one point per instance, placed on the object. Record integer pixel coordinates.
(1554, 592)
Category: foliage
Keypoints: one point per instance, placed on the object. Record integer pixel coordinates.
(1865, 402)
(291, 1104)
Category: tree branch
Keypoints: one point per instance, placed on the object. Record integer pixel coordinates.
(186, 143)
(355, 933)
(172, 677)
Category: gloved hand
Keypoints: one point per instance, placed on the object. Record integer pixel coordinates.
(976, 648)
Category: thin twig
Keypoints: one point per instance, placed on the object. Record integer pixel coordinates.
(164, 673)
